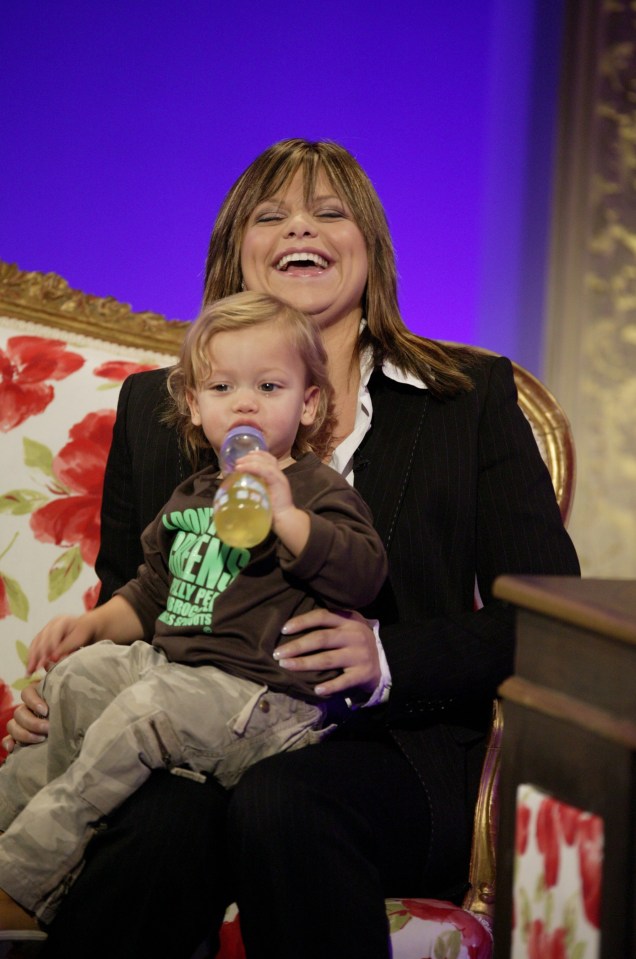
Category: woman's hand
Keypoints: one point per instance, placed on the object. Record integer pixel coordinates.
(340, 640)
(29, 724)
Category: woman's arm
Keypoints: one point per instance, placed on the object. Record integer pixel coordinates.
(496, 514)
(144, 467)
(119, 536)
(461, 651)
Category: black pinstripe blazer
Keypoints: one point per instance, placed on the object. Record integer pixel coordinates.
(458, 490)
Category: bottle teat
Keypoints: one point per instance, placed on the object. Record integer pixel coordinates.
(238, 442)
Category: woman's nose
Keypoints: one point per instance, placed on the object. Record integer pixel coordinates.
(300, 224)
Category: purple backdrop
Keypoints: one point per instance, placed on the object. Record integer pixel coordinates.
(125, 121)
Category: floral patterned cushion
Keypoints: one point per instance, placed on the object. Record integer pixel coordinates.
(420, 929)
(557, 879)
(58, 395)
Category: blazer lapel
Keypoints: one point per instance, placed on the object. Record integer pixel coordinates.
(382, 463)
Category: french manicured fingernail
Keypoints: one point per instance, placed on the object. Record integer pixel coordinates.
(285, 629)
(319, 690)
(286, 663)
(276, 654)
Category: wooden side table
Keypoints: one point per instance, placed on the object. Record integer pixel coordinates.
(570, 732)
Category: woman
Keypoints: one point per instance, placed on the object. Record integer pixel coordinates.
(434, 441)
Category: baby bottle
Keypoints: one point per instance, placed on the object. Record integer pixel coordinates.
(242, 509)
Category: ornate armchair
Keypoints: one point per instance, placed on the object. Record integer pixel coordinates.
(64, 356)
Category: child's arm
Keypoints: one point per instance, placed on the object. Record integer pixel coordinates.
(291, 525)
(115, 620)
(346, 564)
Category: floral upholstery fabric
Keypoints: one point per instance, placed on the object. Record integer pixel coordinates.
(58, 395)
(557, 885)
(420, 929)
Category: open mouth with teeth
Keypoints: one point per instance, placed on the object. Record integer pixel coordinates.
(301, 262)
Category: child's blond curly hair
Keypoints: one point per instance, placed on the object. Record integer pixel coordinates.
(239, 312)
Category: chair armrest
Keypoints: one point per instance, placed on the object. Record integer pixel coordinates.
(480, 898)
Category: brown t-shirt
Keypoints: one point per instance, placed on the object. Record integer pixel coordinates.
(204, 602)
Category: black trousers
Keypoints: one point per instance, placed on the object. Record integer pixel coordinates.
(309, 844)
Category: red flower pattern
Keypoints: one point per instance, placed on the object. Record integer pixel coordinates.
(548, 829)
(474, 936)
(91, 596)
(560, 825)
(25, 367)
(569, 817)
(546, 945)
(118, 370)
(590, 848)
(557, 821)
(230, 940)
(4, 600)
(6, 712)
(73, 518)
(522, 829)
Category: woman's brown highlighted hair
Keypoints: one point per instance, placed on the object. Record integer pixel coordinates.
(439, 366)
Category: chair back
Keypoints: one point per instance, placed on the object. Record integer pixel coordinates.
(553, 434)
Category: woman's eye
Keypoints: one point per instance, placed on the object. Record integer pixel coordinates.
(330, 214)
(268, 216)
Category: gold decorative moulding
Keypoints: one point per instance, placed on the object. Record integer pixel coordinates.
(48, 299)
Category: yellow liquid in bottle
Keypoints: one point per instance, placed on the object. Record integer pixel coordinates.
(242, 511)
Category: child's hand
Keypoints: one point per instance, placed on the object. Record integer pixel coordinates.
(290, 524)
(266, 467)
(59, 637)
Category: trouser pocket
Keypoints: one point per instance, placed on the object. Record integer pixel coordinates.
(268, 723)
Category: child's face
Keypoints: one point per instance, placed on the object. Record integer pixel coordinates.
(257, 379)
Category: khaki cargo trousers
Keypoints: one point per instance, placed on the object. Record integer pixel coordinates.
(116, 713)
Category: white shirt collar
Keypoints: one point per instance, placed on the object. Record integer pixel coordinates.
(342, 456)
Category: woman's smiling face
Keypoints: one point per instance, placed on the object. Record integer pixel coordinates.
(311, 255)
